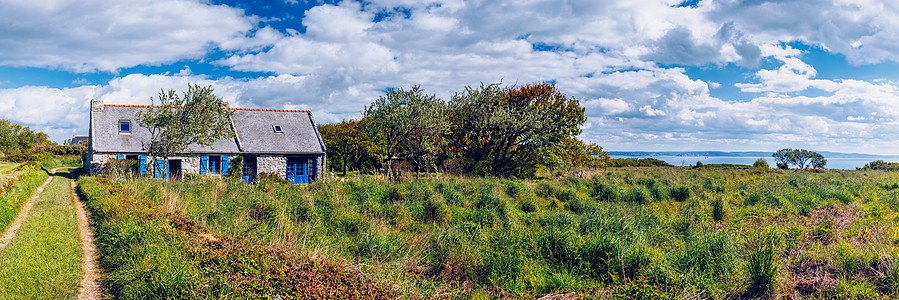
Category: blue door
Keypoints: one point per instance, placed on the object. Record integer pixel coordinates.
(249, 169)
(297, 170)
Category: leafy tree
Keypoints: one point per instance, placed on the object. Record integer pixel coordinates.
(575, 153)
(800, 158)
(19, 143)
(509, 131)
(348, 146)
(405, 122)
(198, 117)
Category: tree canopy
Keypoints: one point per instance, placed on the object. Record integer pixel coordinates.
(18, 143)
(800, 158)
(509, 131)
(405, 122)
(197, 117)
(349, 147)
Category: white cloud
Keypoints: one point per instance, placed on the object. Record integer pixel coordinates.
(609, 54)
(90, 35)
(793, 76)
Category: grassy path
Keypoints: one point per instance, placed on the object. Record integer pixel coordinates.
(44, 258)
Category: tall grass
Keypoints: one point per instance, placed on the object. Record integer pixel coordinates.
(658, 231)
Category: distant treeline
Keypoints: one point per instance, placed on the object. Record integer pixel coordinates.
(635, 162)
(19, 144)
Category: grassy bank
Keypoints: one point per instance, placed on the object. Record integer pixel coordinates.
(17, 191)
(634, 233)
(43, 260)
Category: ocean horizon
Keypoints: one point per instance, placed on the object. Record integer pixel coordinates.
(835, 160)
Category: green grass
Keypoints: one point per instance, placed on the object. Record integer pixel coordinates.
(631, 232)
(43, 260)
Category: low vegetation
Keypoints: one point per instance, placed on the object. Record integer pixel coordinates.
(636, 233)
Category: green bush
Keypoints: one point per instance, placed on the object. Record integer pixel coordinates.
(761, 163)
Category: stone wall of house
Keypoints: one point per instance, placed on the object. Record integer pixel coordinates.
(97, 160)
(272, 164)
(191, 164)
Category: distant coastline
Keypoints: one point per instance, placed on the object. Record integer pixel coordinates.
(757, 154)
(835, 160)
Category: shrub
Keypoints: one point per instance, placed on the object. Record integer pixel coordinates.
(761, 163)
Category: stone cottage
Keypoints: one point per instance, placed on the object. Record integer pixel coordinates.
(281, 142)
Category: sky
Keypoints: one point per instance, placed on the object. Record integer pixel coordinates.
(653, 75)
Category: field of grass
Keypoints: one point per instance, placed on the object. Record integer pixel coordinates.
(635, 233)
(43, 260)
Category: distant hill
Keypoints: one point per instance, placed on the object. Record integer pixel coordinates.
(827, 154)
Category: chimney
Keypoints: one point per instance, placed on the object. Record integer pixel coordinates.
(97, 105)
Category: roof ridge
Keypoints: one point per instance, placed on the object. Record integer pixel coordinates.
(232, 108)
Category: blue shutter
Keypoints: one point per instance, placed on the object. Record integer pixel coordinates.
(224, 165)
(314, 174)
(157, 168)
(120, 156)
(204, 164)
(143, 164)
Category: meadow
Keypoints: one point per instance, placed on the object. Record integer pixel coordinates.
(631, 233)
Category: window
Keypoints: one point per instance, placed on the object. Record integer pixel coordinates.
(125, 126)
(132, 157)
(277, 128)
(215, 165)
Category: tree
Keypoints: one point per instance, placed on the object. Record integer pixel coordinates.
(405, 122)
(508, 132)
(348, 146)
(575, 153)
(800, 158)
(198, 117)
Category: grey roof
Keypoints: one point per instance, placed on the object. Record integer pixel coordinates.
(78, 139)
(254, 127)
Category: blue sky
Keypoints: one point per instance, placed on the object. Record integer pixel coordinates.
(727, 75)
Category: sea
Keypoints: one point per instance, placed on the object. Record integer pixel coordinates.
(835, 160)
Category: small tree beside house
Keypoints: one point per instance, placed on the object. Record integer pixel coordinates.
(197, 117)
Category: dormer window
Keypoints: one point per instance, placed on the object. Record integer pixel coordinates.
(124, 126)
(277, 128)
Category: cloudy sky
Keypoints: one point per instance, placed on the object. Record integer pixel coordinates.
(726, 75)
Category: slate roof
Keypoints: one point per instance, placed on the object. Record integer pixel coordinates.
(255, 133)
(78, 139)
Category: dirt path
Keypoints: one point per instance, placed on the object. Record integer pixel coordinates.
(90, 283)
(23, 214)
